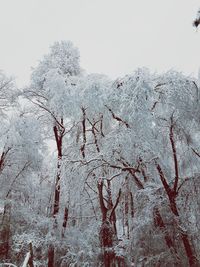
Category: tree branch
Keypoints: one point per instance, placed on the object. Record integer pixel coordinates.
(116, 204)
(171, 136)
(117, 118)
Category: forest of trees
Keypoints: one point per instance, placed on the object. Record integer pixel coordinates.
(96, 172)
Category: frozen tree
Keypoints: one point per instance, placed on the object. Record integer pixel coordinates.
(53, 91)
(22, 144)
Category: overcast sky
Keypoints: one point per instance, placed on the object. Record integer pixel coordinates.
(114, 36)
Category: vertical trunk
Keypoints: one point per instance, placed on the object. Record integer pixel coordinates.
(110, 207)
(30, 262)
(57, 189)
(158, 220)
(184, 236)
(51, 256)
(5, 231)
(126, 211)
(65, 221)
(189, 251)
(84, 132)
(172, 199)
(126, 208)
(108, 234)
(59, 138)
(106, 230)
(172, 194)
(132, 205)
(104, 210)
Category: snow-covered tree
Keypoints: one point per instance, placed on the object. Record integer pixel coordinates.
(122, 182)
(53, 91)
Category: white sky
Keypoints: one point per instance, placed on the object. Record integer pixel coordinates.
(114, 36)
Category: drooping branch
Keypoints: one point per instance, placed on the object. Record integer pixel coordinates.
(26, 165)
(117, 118)
(48, 111)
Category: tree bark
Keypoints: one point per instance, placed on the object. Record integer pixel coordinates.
(107, 230)
(59, 133)
(5, 231)
(30, 262)
(65, 219)
(172, 194)
(51, 256)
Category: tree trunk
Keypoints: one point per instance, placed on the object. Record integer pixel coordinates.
(126, 208)
(51, 256)
(107, 231)
(172, 195)
(158, 220)
(132, 205)
(59, 133)
(184, 236)
(30, 262)
(5, 231)
(65, 219)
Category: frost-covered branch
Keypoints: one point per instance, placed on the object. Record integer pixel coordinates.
(117, 118)
(26, 165)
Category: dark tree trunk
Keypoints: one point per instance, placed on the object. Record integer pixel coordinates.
(84, 132)
(126, 208)
(65, 219)
(172, 194)
(184, 236)
(110, 206)
(132, 205)
(158, 221)
(51, 256)
(107, 230)
(30, 262)
(5, 231)
(59, 133)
